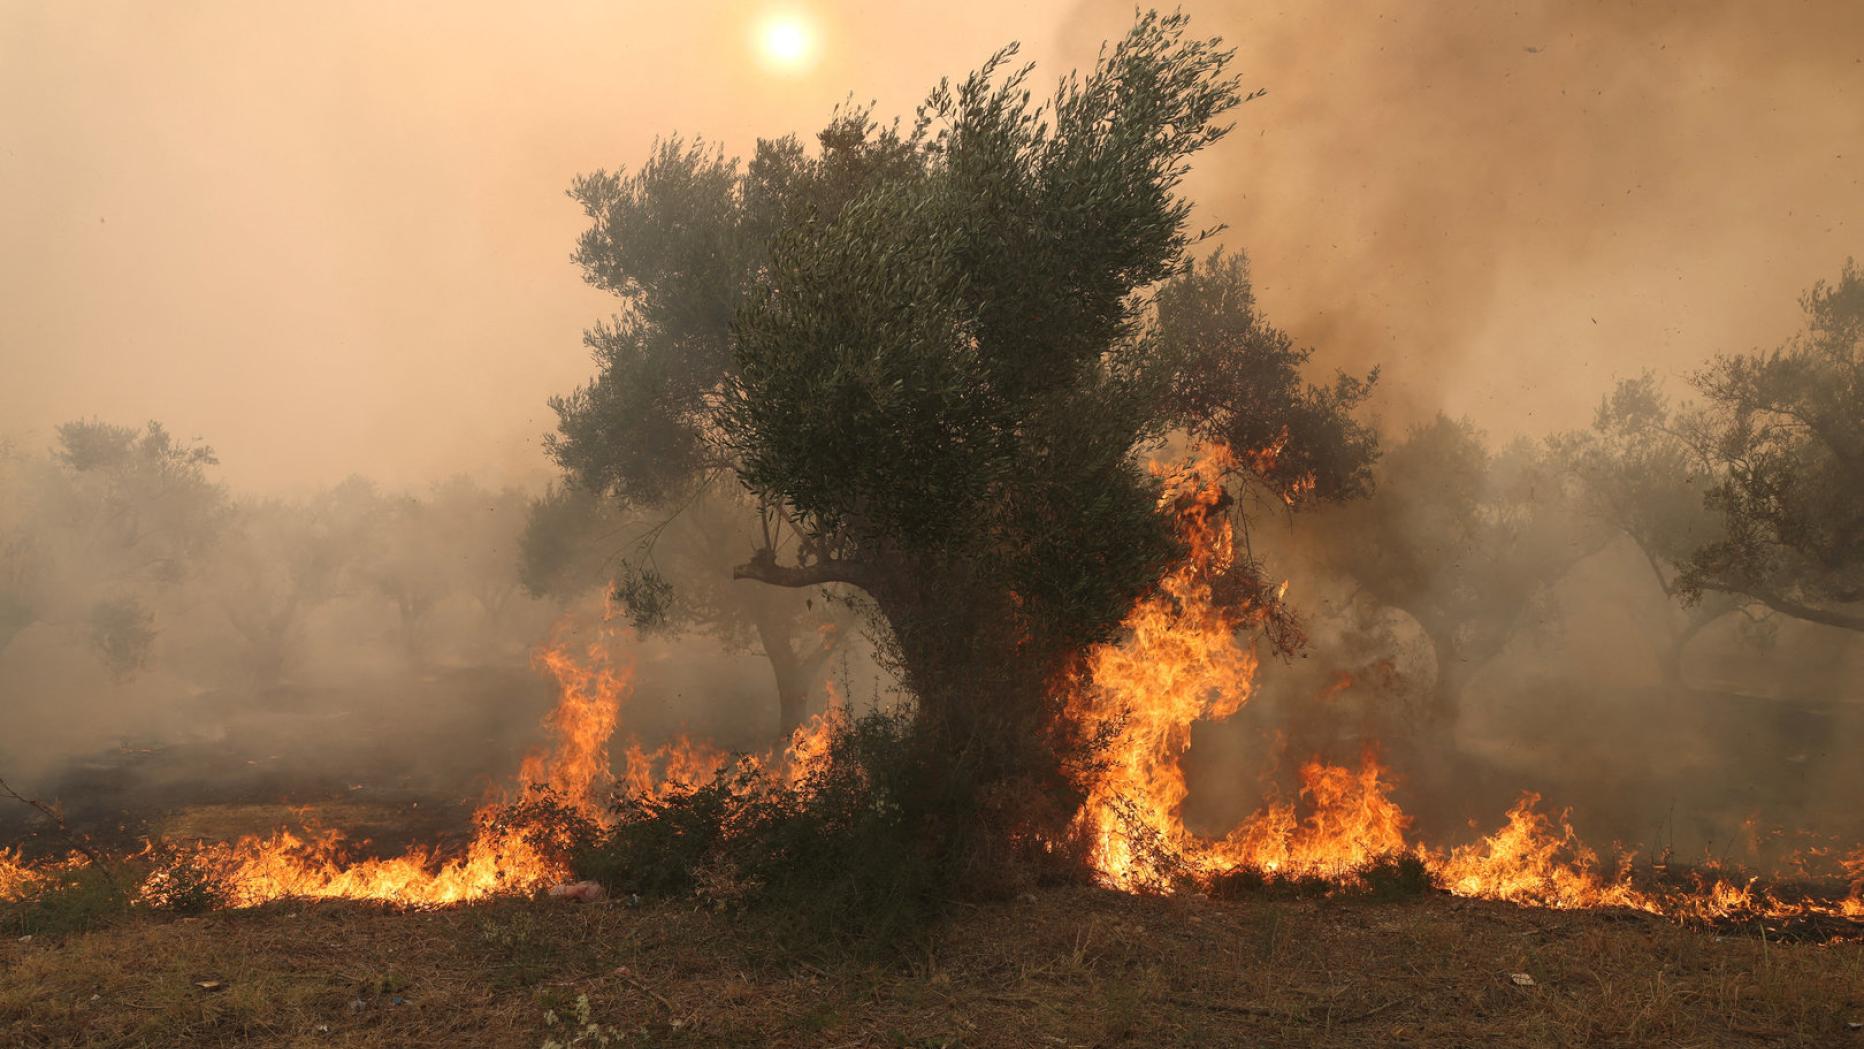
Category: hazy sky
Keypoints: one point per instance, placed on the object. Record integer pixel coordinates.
(332, 238)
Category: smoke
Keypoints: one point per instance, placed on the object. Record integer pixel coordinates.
(1507, 206)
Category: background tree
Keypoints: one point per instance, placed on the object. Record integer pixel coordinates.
(282, 560)
(481, 529)
(1637, 475)
(112, 516)
(1782, 433)
(409, 564)
(1464, 541)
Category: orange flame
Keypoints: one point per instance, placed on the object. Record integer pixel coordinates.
(501, 858)
(1181, 661)
(16, 877)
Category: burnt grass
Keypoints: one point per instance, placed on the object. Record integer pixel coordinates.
(1061, 967)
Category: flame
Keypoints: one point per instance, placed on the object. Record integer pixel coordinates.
(1533, 859)
(502, 857)
(16, 877)
(807, 750)
(1181, 660)
(1853, 905)
(506, 854)
(588, 708)
(1351, 823)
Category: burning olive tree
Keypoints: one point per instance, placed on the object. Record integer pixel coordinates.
(937, 358)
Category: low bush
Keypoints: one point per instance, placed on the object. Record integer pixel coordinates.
(851, 851)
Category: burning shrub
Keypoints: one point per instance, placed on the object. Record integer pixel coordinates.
(1387, 877)
(851, 844)
(182, 882)
(1398, 875)
(662, 840)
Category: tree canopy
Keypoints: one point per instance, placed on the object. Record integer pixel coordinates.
(1782, 434)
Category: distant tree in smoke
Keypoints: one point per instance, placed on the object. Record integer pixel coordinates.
(673, 573)
(1465, 541)
(97, 528)
(1638, 474)
(482, 528)
(282, 560)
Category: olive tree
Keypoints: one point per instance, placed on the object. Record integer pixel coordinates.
(937, 358)
(1781, 434)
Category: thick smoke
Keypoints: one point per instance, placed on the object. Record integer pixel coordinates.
(1508, 205)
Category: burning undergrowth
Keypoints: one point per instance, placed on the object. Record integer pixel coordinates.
(839, 827)
(1186, 657)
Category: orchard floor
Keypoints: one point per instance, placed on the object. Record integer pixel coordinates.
(1066, 967)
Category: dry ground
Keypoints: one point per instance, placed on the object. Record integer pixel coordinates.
(1068, 967)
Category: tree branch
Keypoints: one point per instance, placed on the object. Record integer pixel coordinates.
(763, 568)
(1811, 614)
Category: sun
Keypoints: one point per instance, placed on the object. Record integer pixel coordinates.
(787, 42)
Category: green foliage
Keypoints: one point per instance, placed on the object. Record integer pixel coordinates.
(1234, 378)
(646, 595)
(559, 550)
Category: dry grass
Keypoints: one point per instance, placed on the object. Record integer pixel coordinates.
(1066, 968)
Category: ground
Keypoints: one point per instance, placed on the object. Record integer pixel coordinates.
(1063, 967)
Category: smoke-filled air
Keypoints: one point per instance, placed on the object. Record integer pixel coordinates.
(832, 524)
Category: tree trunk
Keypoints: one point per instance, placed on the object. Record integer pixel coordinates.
(989, 777)
(792, 688)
